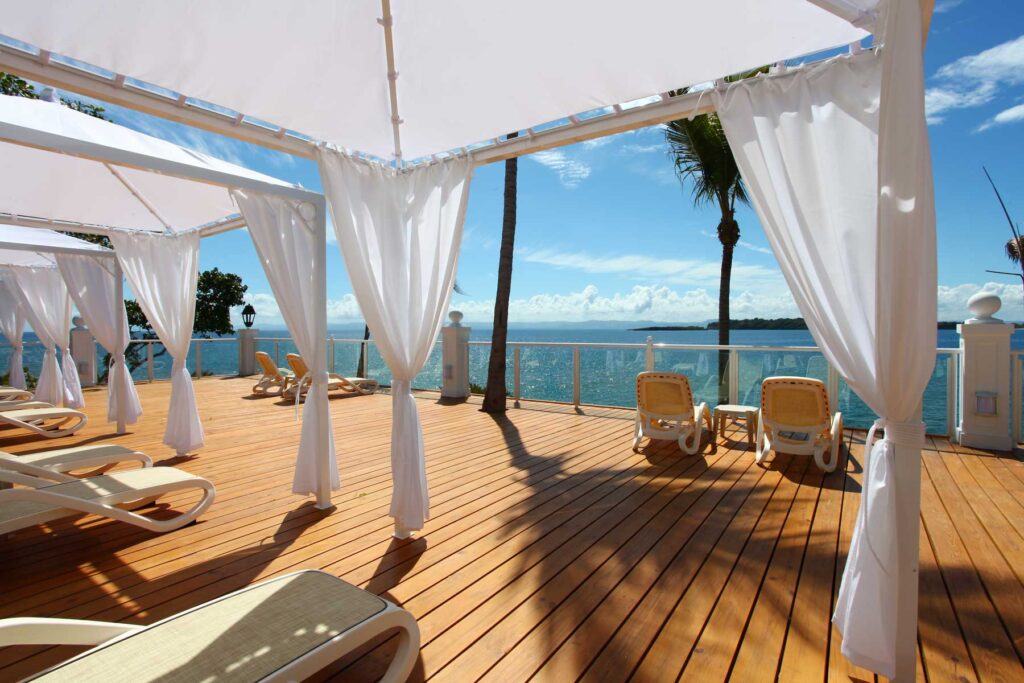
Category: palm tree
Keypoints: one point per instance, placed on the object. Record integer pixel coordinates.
(702, 156)
(495, 393)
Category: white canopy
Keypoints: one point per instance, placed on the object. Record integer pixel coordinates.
(465, 72)
(120, 194)
(31, 246)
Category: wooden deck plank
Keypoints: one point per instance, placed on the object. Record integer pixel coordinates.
(553, 551)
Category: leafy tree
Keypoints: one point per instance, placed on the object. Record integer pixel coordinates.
(16, 86)
(496, 392)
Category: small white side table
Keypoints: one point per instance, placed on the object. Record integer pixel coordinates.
(737, 412)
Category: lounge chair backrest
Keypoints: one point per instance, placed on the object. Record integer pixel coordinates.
(269, 368)
(795, 401)
(664, 393)
(298, 365)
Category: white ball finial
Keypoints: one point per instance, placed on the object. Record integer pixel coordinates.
(983, 306)
(456, 318)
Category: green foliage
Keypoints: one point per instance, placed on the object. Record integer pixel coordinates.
(476, 388)
(16, 86)
(30, 379)
(217, 292)
(93, 110)
(702, 156)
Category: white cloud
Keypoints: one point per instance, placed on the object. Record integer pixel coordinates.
(947, 5)
(343, 310)
(953, 300)
(571, 172)
(664, 270)
(745, 245)
(643, 302)
(1011, 115)
(974, 80)
(645, 149)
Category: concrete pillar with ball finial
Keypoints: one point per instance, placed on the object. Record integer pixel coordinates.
(985, 417)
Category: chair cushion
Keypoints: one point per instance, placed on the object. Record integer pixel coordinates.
(241, 637)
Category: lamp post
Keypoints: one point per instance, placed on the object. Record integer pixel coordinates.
(247, 342)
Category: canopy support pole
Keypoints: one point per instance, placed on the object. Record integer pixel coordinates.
(138, 195)
(323, 494)
(387, 21)
(119, 352)
(907, 470)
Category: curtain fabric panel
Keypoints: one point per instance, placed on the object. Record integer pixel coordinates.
(44, 300)
(93, 289)
(12, 327)
(283, 232)
(163, 270)
(849, 213)
(399, 234)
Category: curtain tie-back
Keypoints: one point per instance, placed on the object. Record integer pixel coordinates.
(315, 379)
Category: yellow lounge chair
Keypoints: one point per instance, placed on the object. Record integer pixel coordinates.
(48, 422)
(665, 410)
(275, 380)
(39, 499)
(284, 629)
(56, 464)
(349, 385)
(795, 418)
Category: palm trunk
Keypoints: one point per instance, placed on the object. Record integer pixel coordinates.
(495, 393)
(723, 320)
(361, 366)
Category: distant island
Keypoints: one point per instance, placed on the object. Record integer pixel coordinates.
(759, 324)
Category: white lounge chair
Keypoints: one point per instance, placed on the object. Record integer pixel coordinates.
(795, 418)
(13, 394)
(274, 380)
(55, 464)
(351, 385)
(665, 410)
(48, 422)
(38, 501)
(283, 629)
(23, 404)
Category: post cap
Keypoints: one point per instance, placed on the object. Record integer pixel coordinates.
(456, 318)
(983, 306)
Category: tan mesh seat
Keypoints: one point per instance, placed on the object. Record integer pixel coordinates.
(49, 422)
(286, 628)
(795, 418)
(665, 410)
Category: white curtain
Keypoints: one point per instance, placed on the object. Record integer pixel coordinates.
(163, 270)
(837, 163)
(47, 307)
(399, 234)
(286, 242)
(12, 327)
(94, 291)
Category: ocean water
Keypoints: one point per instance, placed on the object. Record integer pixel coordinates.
(607, 376)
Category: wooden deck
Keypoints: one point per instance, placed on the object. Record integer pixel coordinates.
(553, 551)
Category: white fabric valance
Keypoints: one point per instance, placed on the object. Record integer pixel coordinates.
(399, 234)
(44, 300)
(163, 270)
(12, 327)
(93, 289)
(850, 218)
(286, 242)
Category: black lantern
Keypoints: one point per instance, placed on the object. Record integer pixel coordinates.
(248, 315)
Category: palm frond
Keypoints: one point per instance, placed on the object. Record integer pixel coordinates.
(703, 157)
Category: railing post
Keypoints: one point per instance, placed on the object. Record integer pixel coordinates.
(1015, 368)
(366, 358)
(734, 376)
(515, 375)
(951, 397)
(199, 359)
(149, 361)
(277, 353)
(333, 360)
(576, 376)
(649, 355)
(833, 388)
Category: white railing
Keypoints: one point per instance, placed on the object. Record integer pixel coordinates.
(1016, 400)
(649, 351)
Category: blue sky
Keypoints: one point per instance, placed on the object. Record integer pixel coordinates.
(606, 231)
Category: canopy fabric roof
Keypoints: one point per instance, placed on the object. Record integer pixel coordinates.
(29, 259)
(466, 71)
(80, 189)
(16, 238)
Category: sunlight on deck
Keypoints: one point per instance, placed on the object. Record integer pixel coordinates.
(553, 551)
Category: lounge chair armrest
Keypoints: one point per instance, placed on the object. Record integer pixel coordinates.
(41, 631)
(837, 425)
